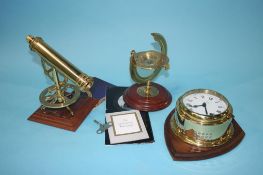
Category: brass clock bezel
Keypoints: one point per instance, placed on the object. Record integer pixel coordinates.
(181, 133)
(185, 113)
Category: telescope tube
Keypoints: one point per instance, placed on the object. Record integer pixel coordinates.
(83, 81)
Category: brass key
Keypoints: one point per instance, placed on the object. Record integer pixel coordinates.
(103, 127)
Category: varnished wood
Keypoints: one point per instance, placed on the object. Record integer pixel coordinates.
(135, 101)
(180, 150)
(61, 118)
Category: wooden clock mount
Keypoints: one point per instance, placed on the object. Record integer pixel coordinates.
(180, 150)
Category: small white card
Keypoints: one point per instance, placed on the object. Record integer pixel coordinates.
(126, 126)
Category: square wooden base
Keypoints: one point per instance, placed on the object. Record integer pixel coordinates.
(61, 118)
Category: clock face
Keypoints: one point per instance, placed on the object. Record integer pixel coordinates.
(205, 104)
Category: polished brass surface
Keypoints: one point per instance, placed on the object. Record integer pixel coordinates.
(54, 97)
(149, 60)
(57, 61)
(185, 113)
(200, 140)
(147, 91)
(200, 129)
(61, 94)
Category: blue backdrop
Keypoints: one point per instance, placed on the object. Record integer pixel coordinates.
(211, 44)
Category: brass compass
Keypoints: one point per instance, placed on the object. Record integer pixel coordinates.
(146, 95)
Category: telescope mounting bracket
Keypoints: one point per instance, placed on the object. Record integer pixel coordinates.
(60, 95)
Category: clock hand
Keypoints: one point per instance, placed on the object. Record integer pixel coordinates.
(195, 106)
(204, 105)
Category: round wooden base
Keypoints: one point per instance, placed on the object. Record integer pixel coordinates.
(136, 101)
(180, 150)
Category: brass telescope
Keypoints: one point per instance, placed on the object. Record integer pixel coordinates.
(61, 94)
(63, 105)
(83, 81)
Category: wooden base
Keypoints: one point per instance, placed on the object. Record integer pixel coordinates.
(61, 118)
(135, 101)
(180, 150)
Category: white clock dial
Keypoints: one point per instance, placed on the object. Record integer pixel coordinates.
(205, 104)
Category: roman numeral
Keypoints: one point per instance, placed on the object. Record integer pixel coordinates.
(218, 111)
